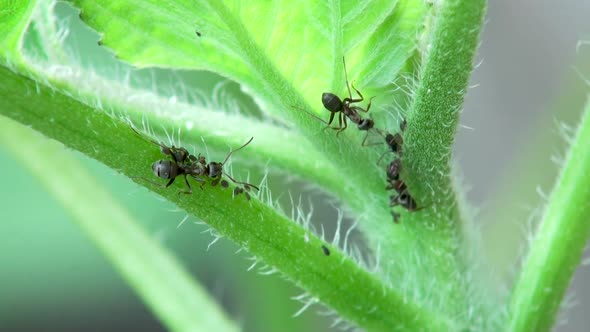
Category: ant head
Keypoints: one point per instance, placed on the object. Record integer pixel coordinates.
(411, 204)
(331, 102)
(166, 169)
(214, 169)
(407, 201)
(366, 124)
(404, 198)
(395, 142)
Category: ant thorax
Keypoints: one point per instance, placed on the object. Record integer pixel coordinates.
(394, 169)
(352, 115)
(194, 168)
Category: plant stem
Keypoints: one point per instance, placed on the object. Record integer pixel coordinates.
(558, 243)
(167, 289)
(428, 143)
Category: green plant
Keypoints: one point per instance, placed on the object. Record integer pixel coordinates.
(429, 273)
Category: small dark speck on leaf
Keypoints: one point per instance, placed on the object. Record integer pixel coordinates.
(326, 250)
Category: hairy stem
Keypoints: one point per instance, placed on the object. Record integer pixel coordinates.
(558, 243)
(429, 139)
(156, 276)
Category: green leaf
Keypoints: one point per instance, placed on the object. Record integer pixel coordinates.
(268, 46)
(153, 272)
(558, 244)
(15, 16)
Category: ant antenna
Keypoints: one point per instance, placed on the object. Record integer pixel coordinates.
(346, 78)
(238, 149)
(316, 117)
(144, 137)
(246, 184)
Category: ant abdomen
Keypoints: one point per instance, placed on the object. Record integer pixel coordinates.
(165, 169)
(331, 102)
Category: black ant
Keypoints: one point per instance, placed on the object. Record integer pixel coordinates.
(183, 163)
(405, 200)
(403, 197)
(214, 170)
(345, 109)
(393, 171)
(395, 141)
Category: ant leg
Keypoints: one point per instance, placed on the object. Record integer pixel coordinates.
(369, 105)
(237, 191)
(340, 119)
(365, 139)
(331, 118)
(199, 180)
(215, 181)
(395, 216)
(378, 132)
(345, 125)
(396, 200)
(352, 100)
(373, 143)
(171, 181)
(381, 158)
(190, 190)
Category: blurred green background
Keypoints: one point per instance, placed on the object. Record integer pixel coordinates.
(52, 278)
